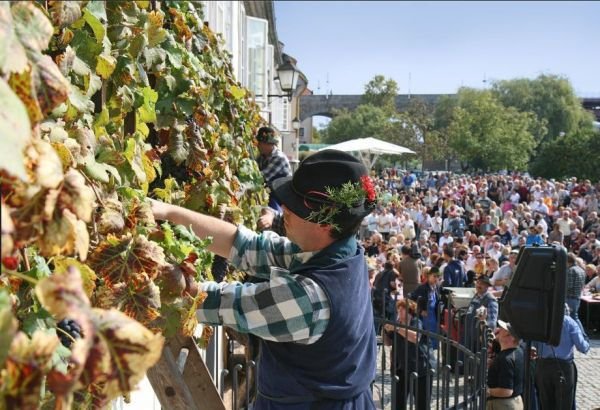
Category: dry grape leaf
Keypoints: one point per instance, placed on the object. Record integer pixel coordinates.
(123, 353)
(139, 299)
(16, 131)
(189, 321)
(29, 220)
(7, 228)
(12, 54)
(65, 13)
(51, 87)
(140, 213)
(117, 259)
(63, 295)
(64, 235)
(88, 276)
(110, 219)
(76, 196)
(47, 166)
(28, 361)
(154, 28)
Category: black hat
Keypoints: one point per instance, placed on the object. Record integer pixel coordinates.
(306, 191)
(267, 135)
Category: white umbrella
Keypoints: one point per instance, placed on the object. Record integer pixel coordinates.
(369, 149)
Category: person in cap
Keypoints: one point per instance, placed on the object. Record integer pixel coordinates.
(505, 374)
(273, 163)
(428, 296)
(313, 315)
(484, 298)
(555, 372)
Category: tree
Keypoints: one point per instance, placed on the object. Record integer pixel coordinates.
(366, 121)
(558, 113)
(488, 136)
(381, 92)
(317, 135)
(551, 98)
(576, 154)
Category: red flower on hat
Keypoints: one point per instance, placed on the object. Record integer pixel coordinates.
(368, 187)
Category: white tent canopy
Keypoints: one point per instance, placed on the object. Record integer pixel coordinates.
(369, 149)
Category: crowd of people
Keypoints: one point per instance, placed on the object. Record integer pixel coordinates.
(443, 230)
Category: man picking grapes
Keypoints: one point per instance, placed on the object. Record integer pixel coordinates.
(312, 312)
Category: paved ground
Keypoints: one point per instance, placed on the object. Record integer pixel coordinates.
(588, 387)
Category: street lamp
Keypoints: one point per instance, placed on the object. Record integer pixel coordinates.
(287, 74)
(296, 123)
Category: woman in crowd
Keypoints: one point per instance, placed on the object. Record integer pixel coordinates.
(410, 353)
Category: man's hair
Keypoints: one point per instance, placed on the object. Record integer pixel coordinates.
(449, 251)
(406, 250)
(345, 229)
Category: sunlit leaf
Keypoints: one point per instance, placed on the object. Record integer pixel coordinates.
(97, 27)
(77, 196)
(16, 131)
(12, 53)
(32, 27)
(106, 65)
(134, 154)
(7, 228)
(237, 92)
(154, 27)
(147, 112)
(88, 276)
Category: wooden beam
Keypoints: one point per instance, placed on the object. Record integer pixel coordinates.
(168, 384)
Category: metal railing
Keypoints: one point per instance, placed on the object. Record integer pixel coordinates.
(454, 376)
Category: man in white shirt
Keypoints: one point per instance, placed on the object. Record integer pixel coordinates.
(446, 239)
(384, 223)
(502, 276)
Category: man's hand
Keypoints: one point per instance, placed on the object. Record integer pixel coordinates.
(266, 219)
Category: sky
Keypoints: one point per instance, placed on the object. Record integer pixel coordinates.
(437, 47)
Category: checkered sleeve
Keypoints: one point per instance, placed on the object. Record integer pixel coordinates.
(277, 167)
(286, 308)
(256, 253)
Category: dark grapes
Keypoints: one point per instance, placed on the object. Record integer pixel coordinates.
(70, 327)
(219, 268)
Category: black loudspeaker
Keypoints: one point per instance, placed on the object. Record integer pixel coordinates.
(534, 302)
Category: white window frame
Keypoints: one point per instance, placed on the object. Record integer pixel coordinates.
(260, 90)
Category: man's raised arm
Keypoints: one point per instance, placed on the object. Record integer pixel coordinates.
(223, 233)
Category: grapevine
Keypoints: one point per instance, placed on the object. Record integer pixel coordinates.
(103, 104)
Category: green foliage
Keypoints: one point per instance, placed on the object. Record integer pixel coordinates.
(366, 121)
(381, 92)
(488, 136)
(576, 154)
(134, 100)
(551, 98)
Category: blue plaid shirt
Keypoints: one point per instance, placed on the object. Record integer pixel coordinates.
(274, 166)
(283, 308)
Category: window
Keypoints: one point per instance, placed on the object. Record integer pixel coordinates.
(243, 54)
(256, 37)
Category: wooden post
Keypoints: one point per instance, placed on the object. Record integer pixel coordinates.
(189, 389)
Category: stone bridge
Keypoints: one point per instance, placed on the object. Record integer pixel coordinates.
(324, 105)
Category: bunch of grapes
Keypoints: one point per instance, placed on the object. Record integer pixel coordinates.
(69, 328)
